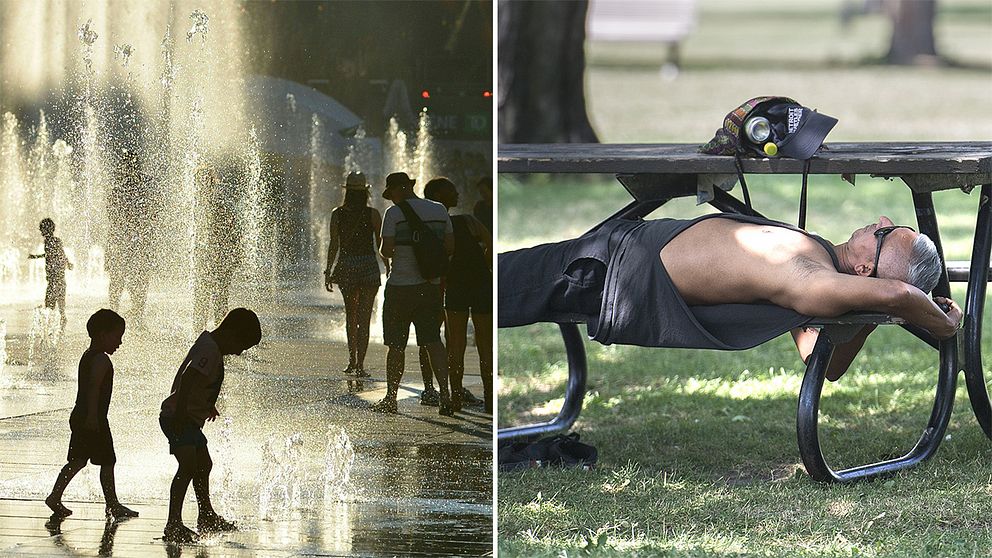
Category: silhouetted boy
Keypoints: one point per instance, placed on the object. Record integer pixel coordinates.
(91, 439)
(192, 403)
(55, 265)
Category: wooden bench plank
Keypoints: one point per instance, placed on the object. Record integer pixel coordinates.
(971, 160)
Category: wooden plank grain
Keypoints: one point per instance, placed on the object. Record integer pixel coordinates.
(879, 158)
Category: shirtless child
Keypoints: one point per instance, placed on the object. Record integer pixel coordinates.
(91, 439)
(192, 403)
(55, 266)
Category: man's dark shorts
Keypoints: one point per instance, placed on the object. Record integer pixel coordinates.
(190, 435)
(416, 304)
(477, 298)
(95, 446)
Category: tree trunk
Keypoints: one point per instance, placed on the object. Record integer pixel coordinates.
(912, 32)
(541, 72)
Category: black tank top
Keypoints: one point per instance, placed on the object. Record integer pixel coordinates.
(468, 264)
(355, 231)
(612, 279)
(105, 388)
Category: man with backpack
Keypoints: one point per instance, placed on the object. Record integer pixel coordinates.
(417, 236)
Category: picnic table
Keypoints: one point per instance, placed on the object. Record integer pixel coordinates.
(656, 174)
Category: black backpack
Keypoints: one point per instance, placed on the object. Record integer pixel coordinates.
(432, 259)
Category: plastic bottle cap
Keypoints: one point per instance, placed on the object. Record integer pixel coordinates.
(771, 149)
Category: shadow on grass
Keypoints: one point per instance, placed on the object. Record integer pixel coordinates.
(722, 414)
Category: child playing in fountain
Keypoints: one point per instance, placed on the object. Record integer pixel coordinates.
(91, 439)
(55, 265)
(192, 403)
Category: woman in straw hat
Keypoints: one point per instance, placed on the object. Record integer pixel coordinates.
(354, 239)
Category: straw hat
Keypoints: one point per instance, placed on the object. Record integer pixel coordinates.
(356, 181)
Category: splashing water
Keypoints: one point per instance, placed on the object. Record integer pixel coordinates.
(44, 335)
(123, 53)
(86, 34)
(225, 452)
(338, 461)
(4, 381)
(396, 146)
(283, 482)
(423, 151)
(200, 22)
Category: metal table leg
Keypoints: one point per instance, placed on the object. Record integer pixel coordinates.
(809, 405)
(574, 392)
(974, 305)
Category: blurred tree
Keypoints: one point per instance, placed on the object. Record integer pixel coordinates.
(541, 72)
(912, 32)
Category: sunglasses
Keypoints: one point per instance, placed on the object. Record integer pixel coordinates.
(880, 235)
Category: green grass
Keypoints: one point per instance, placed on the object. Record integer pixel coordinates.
(742, 49)
(697, 449)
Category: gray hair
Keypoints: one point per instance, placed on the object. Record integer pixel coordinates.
(925, 265)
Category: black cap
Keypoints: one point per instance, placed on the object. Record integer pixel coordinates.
(801, 129)
(397, 180)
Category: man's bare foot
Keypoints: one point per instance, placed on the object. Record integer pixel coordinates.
(56, 506)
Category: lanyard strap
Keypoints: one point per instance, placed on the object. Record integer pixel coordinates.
(740, 176)
(802, 197)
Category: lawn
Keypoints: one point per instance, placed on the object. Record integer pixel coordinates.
(697, 449)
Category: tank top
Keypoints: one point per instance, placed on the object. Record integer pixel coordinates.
(468, 264)
(355, 231)
(106, 388)
(613, 280)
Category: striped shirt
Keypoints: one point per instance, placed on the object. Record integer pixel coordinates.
(404, 269)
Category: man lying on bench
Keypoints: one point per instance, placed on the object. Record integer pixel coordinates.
(724, 281)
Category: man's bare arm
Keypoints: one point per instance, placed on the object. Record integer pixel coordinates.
(388, 247)
(830, 294)
(843, 354)
(449, 244)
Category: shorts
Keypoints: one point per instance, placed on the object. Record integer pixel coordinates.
(97, 447)
(190, 435)
(416, 304)
(463, 298)
(55, 292)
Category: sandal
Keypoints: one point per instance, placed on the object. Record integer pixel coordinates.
(213, 523)
(120, 511)
(385, 405)
(553, 451)
(430, 398)
(179, 533)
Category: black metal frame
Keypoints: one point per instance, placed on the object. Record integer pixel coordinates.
(651, 191)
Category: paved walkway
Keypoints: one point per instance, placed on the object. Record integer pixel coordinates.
(419, 483)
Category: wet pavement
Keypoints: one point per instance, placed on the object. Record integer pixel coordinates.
(300, 462)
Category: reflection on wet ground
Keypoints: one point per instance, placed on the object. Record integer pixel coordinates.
(299, 461)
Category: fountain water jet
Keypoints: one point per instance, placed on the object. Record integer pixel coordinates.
(339, 458)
